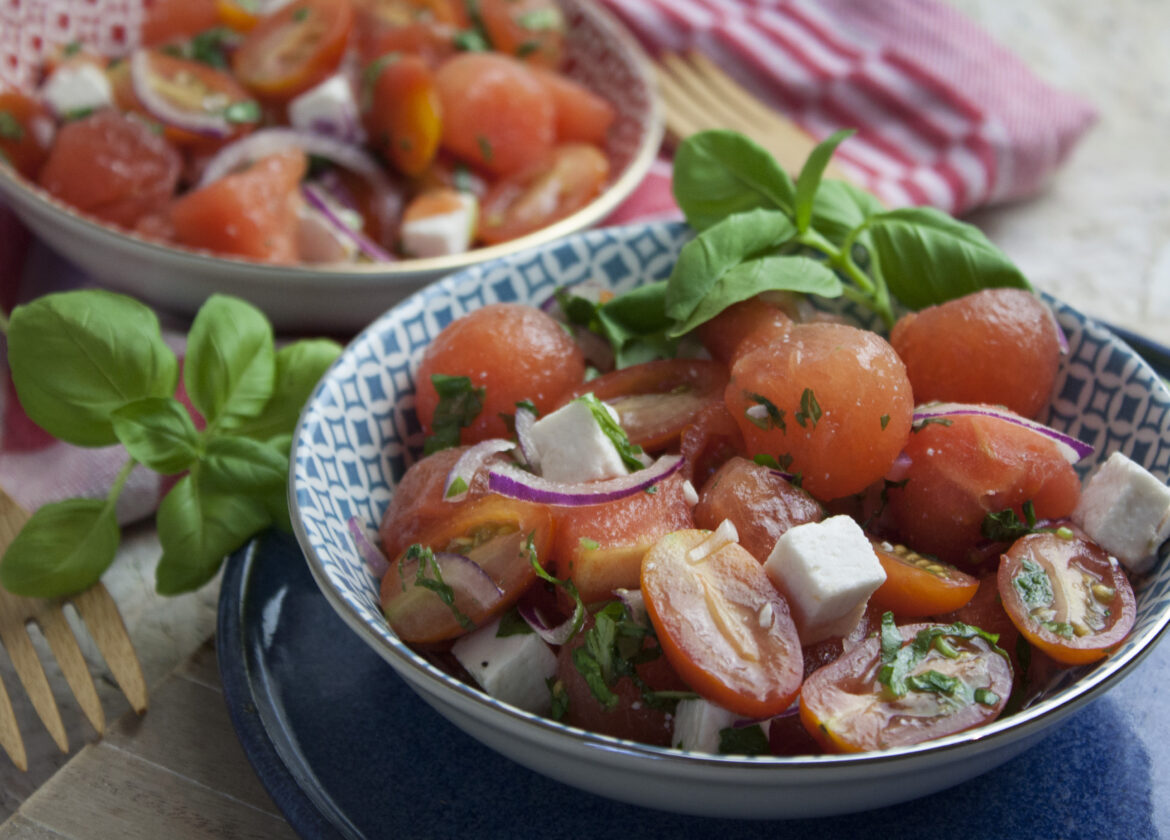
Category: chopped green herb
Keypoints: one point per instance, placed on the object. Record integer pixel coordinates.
(485, 147)
(1005, 525)
(628, 452)
(745, 740)
(810, 409)
(986, 697)
(71, 49)
(429, 576)
(527, 48)
(885, 420)
(459, 404)
(772, 416)
(77, 114)
(567, 585)
(588, 544)
(541, 19)
(458, 487)
(1033, 585)
(933, 681)
(301, 14)
(513, 624)
(471, 40)
(931, 421)
(10, 127)
(211, 46)
(559, 697)
(247, 111)
(898, 659)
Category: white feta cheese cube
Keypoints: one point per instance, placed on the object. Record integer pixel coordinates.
(514, 669)
(77, 86)
(328, 108)
(1125, 509)
(441, 234)
(698, 722)
(827, 571)
(571, 446)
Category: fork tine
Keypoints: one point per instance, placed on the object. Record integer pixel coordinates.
(10, 733)
(100, 614)
(28, 668)
(73, 665)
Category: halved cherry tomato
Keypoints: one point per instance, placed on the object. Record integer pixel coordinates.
(917, 585)
(758, 501)
(173, 20)
(426, 28)
(26, 132)
(600, 547)
(656, 400)
(531, 30)
(1067, 596)
(403, 112)
(294, 48)
(722, 624)
(191, 87)
(252, 213)
(962, 683)
(494, 533)
(709, 441)
(549, 190)
(113, 167)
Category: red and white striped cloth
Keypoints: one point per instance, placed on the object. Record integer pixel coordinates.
(945, 116)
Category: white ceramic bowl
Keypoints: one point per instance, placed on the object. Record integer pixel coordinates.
(600, 52)
(358, 433)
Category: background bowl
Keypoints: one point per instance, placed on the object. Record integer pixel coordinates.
(358, 433)
(600, 53)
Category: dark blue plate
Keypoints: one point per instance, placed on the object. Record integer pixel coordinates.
(346, 749)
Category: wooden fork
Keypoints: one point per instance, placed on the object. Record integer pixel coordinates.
(698, 95)
(100, 614)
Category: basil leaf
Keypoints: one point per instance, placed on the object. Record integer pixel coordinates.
(749, 278)
(636, 325)
(299, 367)
(704, 260)
(198, 527)
(927, 257)
(459, 404)
(77, 356)
(720, 173)
(748, 740)
(230, 369)
(63, 548)
(242, 465)
(158, 432)
(810, 176)
(840, 207)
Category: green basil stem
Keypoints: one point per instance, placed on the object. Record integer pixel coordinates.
(871, 292)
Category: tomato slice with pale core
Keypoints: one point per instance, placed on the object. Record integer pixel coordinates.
(1067, 596)
(722, 624)
(918, 585)
(294, 48)
(961, 683)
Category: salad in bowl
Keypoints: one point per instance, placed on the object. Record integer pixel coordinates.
(807, 507)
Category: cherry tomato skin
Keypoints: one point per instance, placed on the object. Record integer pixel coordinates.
(722, 624)
(830, 402)
(515, 352)
(957, 474)
(1019, 350)
(26, 133)
(250, 214)
(294, 48)
(403, 118)
(531, 30)
(1067, 596)
(582, 116)
(496, 114)
(760, 502)
(656, 400)
(600, 547)
(426, 28)
(173, 20)
(554, 187)
(112, 167)
(492, 531)
(917, 586)
(847, 709)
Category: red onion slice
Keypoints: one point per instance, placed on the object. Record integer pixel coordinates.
(211, 124)
(515, 483)
(267, 141)
(467, 577)
(557, 634)
(524, 421)
(1072, 449)
(468, 464)
(376, 561)
(319, 201)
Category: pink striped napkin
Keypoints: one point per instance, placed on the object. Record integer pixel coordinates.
(945, 116)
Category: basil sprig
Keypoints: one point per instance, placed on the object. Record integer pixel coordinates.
(91, 368)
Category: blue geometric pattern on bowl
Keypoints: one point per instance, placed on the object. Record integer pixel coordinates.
(359, 432)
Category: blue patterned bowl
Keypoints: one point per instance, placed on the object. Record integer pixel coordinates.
(359, 433)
